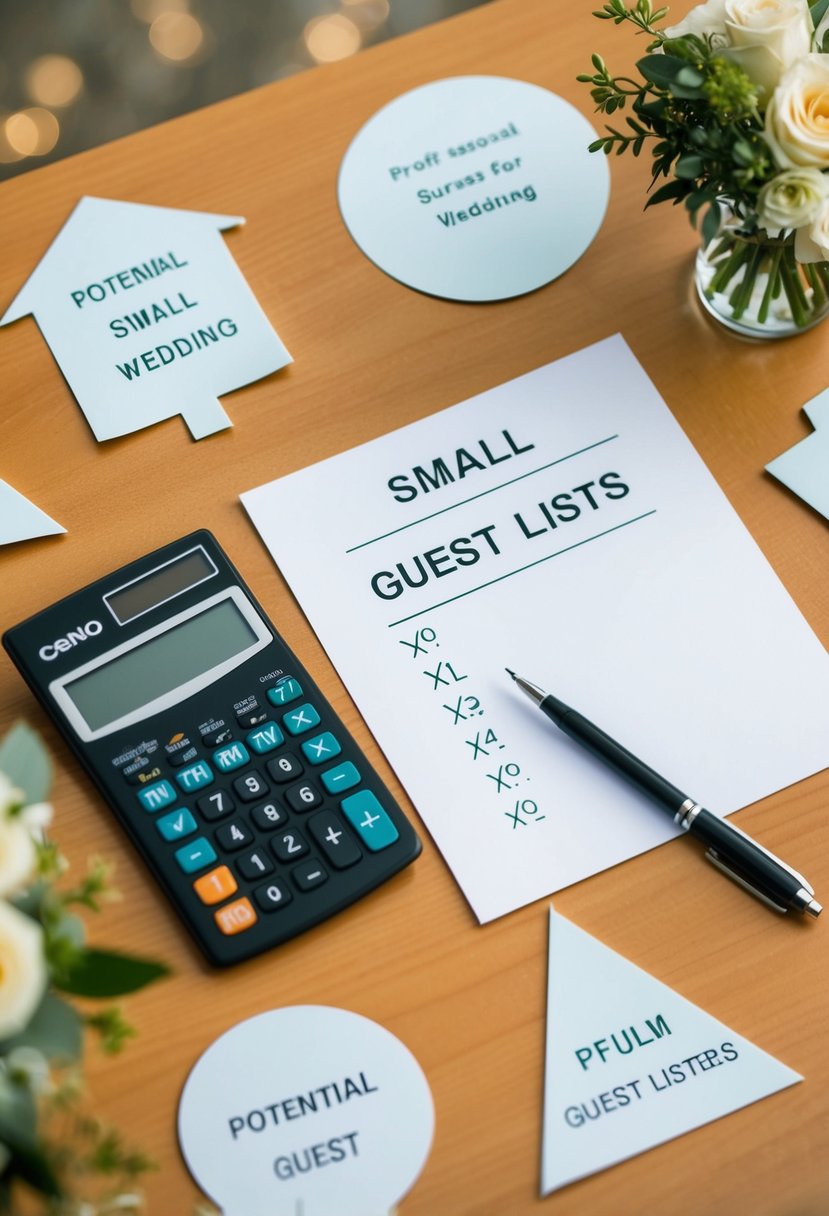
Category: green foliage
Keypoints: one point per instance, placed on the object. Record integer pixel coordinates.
(25, 761)
(47, 1145)
(694, 110)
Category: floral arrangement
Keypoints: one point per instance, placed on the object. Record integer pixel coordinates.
(733, 105)
(50, 1148)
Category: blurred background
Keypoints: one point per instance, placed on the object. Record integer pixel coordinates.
(77, 73)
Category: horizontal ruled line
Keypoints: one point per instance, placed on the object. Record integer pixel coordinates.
(520, 570)
(483, 494)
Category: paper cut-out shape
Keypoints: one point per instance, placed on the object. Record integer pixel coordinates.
(630, 1063)
(148, 316)
(474, 187)
(20, 519)
(804, 468)
(306, 1111)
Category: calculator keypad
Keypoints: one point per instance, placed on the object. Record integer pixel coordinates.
(267, 818)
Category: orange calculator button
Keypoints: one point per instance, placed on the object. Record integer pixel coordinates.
(212, 888)
(235, 917)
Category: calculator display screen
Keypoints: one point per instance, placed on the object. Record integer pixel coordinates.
(160, 664)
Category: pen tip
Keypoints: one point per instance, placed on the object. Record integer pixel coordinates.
(510, 672)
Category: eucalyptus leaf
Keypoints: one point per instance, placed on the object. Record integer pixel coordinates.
(101, 973)
(56, 1030)
(662, 69)
(25, 761)
(675, 190)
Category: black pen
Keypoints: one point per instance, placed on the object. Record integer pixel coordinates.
(729, 849)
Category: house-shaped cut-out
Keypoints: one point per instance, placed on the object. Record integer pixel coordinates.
(148, 316)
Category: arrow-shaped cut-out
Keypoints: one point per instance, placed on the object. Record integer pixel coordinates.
(804, 468)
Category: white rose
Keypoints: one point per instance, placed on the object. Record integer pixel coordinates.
(705, 20)
(23, 975)
(797, 118)
(767, 36)
(791, 199)
(18, 856)
(811, 243)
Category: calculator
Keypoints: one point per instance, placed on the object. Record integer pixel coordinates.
(251, 803)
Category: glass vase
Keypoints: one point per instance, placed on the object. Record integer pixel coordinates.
(753, 284)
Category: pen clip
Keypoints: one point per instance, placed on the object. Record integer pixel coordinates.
(742, 881)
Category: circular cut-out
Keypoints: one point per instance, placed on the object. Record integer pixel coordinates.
(474, 187)
(308, 1110)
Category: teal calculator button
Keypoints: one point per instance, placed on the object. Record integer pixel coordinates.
(285, 692)
(159, 794)
(195, 776)
(322, 749)
(196, 855)
(265, 738)
(343, 777)
(175, 825)
(232, 755)
(366, 815)
(303, 718)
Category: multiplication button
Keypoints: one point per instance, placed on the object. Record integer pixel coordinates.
(321, 749)
(303, 718)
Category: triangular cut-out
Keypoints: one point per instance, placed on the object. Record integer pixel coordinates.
(630, 1063)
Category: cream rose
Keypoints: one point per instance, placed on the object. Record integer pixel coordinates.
(797, 118)
(18, 856)
(791, 199)
(767, 36)
(763, 36)
(23, 975)
(811, 243)
(705, 20)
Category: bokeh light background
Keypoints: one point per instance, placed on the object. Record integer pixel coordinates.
(78, 73)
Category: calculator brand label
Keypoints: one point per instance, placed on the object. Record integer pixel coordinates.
(73, 638)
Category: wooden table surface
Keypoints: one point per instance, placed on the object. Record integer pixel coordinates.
(371, 355)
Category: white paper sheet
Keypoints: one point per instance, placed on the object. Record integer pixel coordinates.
(20, 519)
(652, 611)
(630, 1063)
